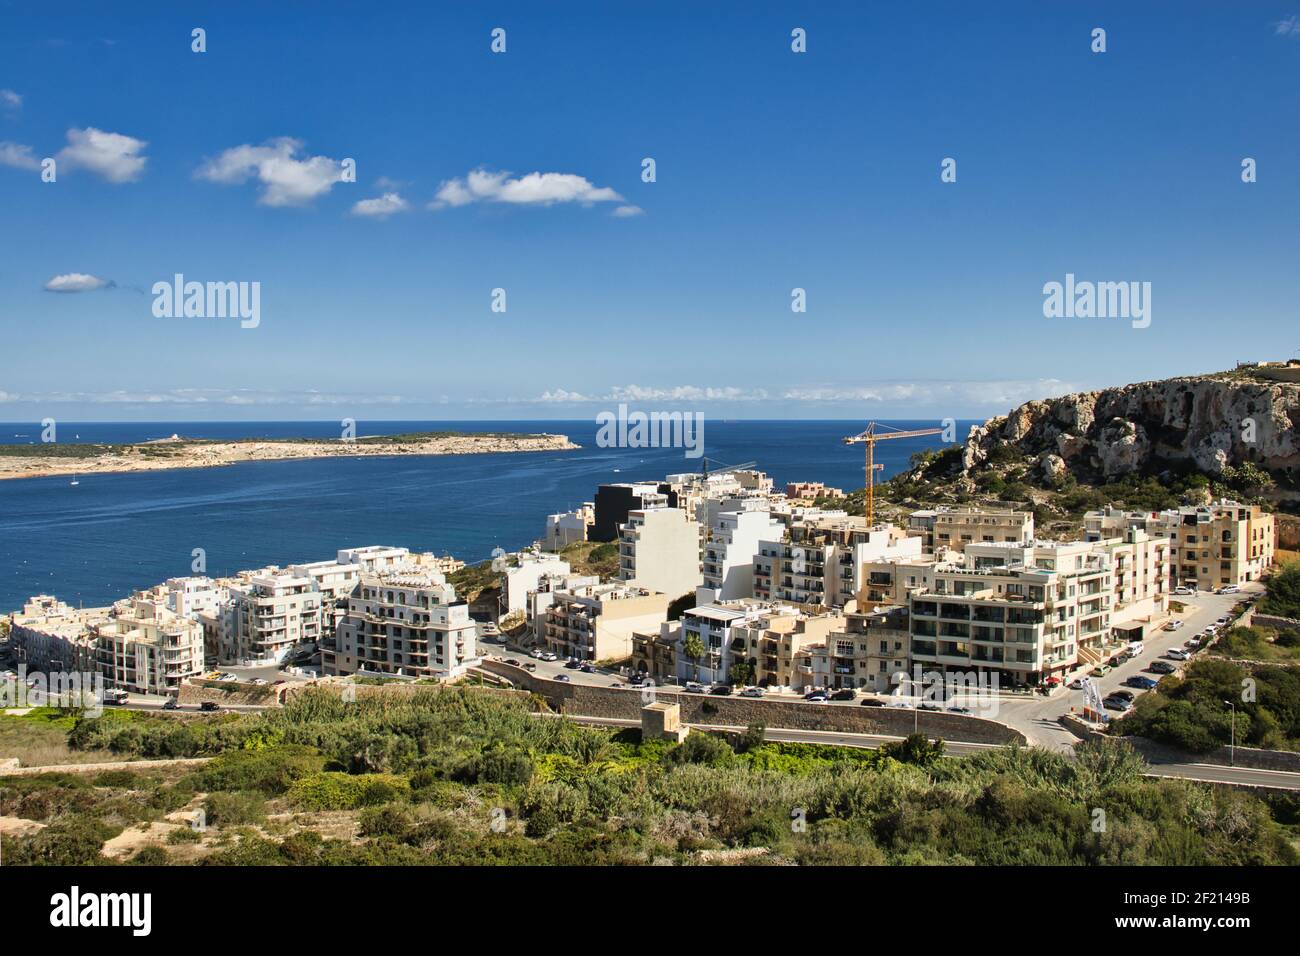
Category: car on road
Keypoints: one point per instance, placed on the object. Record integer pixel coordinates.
(572, 664)
(872, 702)
(1192, 644)
(1178, 654)
(1222, 621)
(562, 677)
(1076, 684)
(720, 690)
(587, 669)
(1140, 682)
(1229, 589)
(550, 656)
(695, 687)
(1183, 589)
(259, 681)
(958, 709)
(1101, 670)
(1173, 625)
(171, 704)
(209, 706)
(848, 693)
(816, 695)
(929, 706)
(512, 662)
(1122, 694)
(752, 692)
(1162, 667)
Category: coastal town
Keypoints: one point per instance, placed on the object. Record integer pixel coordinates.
(724, 585)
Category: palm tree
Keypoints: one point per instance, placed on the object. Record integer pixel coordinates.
(693, 648)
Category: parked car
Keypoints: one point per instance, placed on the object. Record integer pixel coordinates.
(752, 692)
(512, 662)
(1076, 684)
(695, 687)
(1162, 667)
(530, 666)
(637, 679)
(209, 705)
(550, 656)
(958, 709)
(1183, 589)
(872, 702)
(848, 693)
(1192, 644)
(1222, 621)
(1229, 589)
(1178, 654)
(1140, 682)
(537, 652)
(1173, 625)
(573, 664)
(1122, 694)
(817, 695)
(929, 706)
(1101, 670)
(1117, 703)
(171, 704)
(720, 690)
(562, 677)
(587, 669)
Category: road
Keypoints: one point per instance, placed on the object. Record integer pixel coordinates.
(1038, 718)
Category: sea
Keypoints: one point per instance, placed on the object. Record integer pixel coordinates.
(111, 534)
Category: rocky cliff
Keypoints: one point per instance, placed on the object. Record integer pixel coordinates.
(1202, 422)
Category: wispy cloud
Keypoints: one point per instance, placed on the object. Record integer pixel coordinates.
(112, 156)
(78, 282)
(10, 101)
(287, 179)
(204, 396)
(628, 211)
(1290, 27)
(533, 189)
(18, 156)
(381, 207)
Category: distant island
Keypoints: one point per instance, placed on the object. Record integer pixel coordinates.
(52, 458)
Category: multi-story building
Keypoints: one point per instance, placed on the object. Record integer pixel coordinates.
(659, 549)
(615, 502)
(518, 580)
(774, 639)
(1025, 621)
(270, 613)
(654, 653)
(812, 490)
(403, 621)
(709, 631)
(569, 527)
(145, 647)
(541, 598)
(866, 650)
(1211, 545)
(956, 527)
(192, 596)
(596, 622)
(48, 635)
(731, 543)
(822, 560)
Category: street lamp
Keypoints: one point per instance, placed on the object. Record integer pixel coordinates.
(1232, 747)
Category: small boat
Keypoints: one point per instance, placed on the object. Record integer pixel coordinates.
(74, 481)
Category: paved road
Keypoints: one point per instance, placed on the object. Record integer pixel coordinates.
(1038, 718)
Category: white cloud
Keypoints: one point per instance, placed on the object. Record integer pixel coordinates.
(10, 100)
(18, 156)
(641, 393)
(1288, 27)
(204, 396)
(959, 394)
(380, 208)
(533, 189)
(625, 212)
(286, 179)
(78, 282)
(113, 156)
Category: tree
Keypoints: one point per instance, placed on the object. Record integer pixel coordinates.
(1283, 592)
(693, 648)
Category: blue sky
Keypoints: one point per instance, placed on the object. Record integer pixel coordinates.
(775, 170)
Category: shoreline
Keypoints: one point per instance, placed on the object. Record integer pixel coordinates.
(175, 454)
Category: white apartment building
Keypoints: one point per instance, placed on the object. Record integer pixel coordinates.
(569, 527)
(540, 598)
(403, 621)
(1026, 622)
(956, 527)
(596, 622)
(712, 625)
(659, 549)
(270, 613)
(732, 541)
(193, 596)
(822, 561)
(530, 568)
(147, 648)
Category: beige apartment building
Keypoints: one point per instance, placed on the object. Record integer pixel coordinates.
(270, 612)
(1225, 543)
(773, 637)
(659, 549)
(1025, 621)
(145, 647)
(596, 622)
(865, 651)
(49, 635)
(956, 527)
(822, 559)
(402, 621)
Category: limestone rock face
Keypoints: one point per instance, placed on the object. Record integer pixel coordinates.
(1208, 422)
(1051, 466)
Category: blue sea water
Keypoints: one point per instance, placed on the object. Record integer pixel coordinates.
(114, 533)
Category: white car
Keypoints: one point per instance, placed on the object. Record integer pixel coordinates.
(752, 692)
(1184, 590)
(538, 653)
(1173, 625)
(550, 656)
(1229, 589)
(1177, 654)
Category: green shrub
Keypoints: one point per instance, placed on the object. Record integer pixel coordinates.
(341, 791)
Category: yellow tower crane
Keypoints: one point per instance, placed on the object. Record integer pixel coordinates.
(869, 436)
